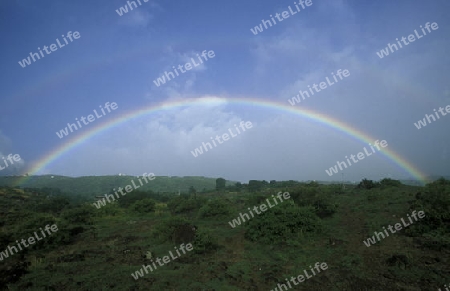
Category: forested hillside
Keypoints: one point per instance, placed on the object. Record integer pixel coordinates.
(100, 185)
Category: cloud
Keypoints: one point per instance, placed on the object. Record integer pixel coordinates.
(379, 96)
(140, 16)
(136, 18)
(183, 84)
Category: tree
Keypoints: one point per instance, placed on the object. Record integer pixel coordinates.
(192, 191)
(387, 182)
(366, 184)
(54, 204)
(255, 185)
(220, 184)
(126, 201)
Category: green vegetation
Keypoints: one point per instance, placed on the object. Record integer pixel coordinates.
(100, 185)
(98, 249)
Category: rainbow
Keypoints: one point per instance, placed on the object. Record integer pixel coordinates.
(298, 110)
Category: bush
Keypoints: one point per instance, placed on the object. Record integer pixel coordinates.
(80, 215)
(324, 204)
(256, 199)
(435, 202)
(27, 228)
(54, 205)
(335, 189)
(366, 184)
(133, 197)
(283, 222)
(204, 243)
(112, 209)
(436, 241)
(144, 206)
(386, 182)
(214, 208)
(184, 204)
(164, 231)
(324, 207)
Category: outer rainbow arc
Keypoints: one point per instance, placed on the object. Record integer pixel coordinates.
(308, 113)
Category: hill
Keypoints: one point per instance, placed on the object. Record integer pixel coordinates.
(99, 185)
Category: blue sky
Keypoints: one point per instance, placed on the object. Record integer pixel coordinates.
(117, 58)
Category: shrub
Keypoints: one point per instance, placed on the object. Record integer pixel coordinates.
(435, 202)
(324, 207)
(214, 208)
(133, 197)
(386, 182)
(283, 222)
(204, 243)
(184, 204)
(164, 231)
(33, 224)
(79, 215)
(144, 206)
(54, 205)
(436, 241)
(27, 227)
(256, 199)
(323, 204)
(366, 184)
(335, 189)
(109, 209)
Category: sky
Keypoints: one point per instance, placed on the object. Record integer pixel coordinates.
(117, 58)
